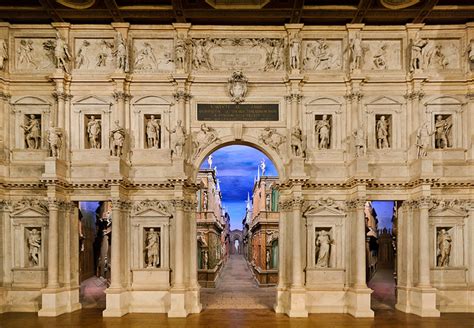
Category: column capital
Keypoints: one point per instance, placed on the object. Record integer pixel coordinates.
(354, 96)
(415, 95)
(357, 203)
(120, 95)
(5, 95)
(181, 95)
(118, 204)
(61, 95)
(183, 204)
(424, 202)
(294, 97)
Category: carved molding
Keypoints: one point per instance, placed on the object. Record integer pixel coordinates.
(181, 95)
(415, 95)
(324, 203)
(153, 204)
(357, 203)
(33, 203)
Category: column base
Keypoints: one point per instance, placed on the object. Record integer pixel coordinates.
(358, 302)
(418, 300)
(178, 304)
(117, 302)
(297, 303)
(193, 300)
(282, 301)
(59, 301)
(3, 296)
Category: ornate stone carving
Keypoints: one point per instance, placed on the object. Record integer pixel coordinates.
(32, 130)
(423, 139)
(416, 52)
(5, 205)
(457, 204)
(415, 95)
(3, 53)
(323, 132)
(180, 137)
(120, 53)
(94, 132)
(441, 54)
(34, 246)
(294, 52)
(444, 242)
(153, 55)
(323, 248)
(298, 148)
(357, 203)
(324, 202)
(117, 138)
(203, 138)
(181, 96)
(357, 95)
(158, 205)
(59, 50)
(355, 52)
(470, 52)
(272, 138)
(237, 87)
(184, 204)
(35, 54)
(95, 54)
(153, 134)
(82, 55)
(181, 54)
(360, 142)
(443, 131)
(36, 204)
(152, 247)
(381, 54)
(379, 57)
(382, 128)
(322, 55)
(54, 137)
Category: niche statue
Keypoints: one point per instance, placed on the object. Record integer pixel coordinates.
(323, 249)
(444, 248)
(34, 245)
(152, 249)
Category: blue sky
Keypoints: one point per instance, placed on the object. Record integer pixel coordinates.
(236, 170)
(384, 210)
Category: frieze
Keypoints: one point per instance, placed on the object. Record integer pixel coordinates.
(157, 205)
(153, 55)
(457, 204)
(33, 203)
(183, 204)
(324, 203)
(357, 203)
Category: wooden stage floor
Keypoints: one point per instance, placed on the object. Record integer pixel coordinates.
(92, 318)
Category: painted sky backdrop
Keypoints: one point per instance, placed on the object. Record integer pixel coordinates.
(236, 170)
(384, 210)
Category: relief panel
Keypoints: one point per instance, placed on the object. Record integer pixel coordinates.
(382, 55)
(94, 54)
(153, 55)
(320, 55)
(33, 54)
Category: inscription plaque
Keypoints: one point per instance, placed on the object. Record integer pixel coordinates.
(237, 112)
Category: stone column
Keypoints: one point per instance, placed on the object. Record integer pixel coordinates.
(115, 277)
(53, 263)
(424, 244)
(297, 268)
(119, 97)
(66, 227)
(181, 97)
(360, 247)
(179, 246)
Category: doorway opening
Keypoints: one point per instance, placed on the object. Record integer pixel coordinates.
(237, 229)
(95, 232)
(381, 219)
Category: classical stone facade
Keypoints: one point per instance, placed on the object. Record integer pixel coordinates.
(310, 97)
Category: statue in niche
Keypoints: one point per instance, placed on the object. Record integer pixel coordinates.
(103, 54)
(470, 51)
(297, 148)
(382, 128)
(34, 245)
(268, 259)
(356, 52)
(268, 204)
(417, 45)
(25, 53)
(443, 129)
(205, 260)
(120, 53)
(323, 249)
(61, 53)
(152, 248)
(205, 201)
(179, 139)
(82, 56)
(54, 140)
(272, 138)
(379, 57)
(360, 142)
(200, 56)
(423, 139)
(323, 129)
(32, 132)
(117, 137)
(204, 137)
(295, 45)
(444, 248)
(153, 132)
(94, 132)
(237, 86)
(180, 52)
(3, 53)
(146, 59)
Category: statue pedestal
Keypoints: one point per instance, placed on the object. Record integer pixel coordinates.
(297, 167)
(359, 167)
(421, 168)
(118, 168)
(54, 168)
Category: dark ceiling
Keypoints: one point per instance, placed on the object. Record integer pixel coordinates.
(239, 12)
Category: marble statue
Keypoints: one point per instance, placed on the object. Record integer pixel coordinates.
(204, 137)
(470, 51)
(205, 201)
(120, 53)
(179, 139)
(146, 59)
(443, 129)
(382, 128)
(180, 53)
(263, 166)
(117, 137)
(433, 57)
(205, 260)
(200, 56)
(34, 245)
(25, 53)
(379, 59)
(274, 59)
(153, 132)
(268, 259)
(94, 132)
(209, 161)
(32, 132)
(360, 142)
(423, 139)
(444, 248)
(297, 148)
(416, 57)
(3, 53)
(82, 56)
(323, 249)
(323, 129)
(103, 54)
(237, 87)
(356, 52)
(61, 53)
(272, 138)
(268, 202)
(54, 140)
(295, 45)
(152, 249)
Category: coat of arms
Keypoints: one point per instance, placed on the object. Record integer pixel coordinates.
(237, 87)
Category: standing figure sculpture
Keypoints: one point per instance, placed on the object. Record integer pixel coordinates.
(32, 133)
(444, 248)
(423, 138)
(94, 131)
(205, 260)
(268, 259)
(204, 137)
(3, 53)
(323, 249)
(54, 140)
(117, 138)
(356, 52)
(120, 53)
(82, 55)
(34, 245)
(180, 52)
(295, 45)
(359, 141)
(382, 128)
(146, 59)
(442, 132)
(417, 45)
(25, 53)
(152, 249)
(61, 53)
(323, 128)
(263, 167)
(297, 142)
(153, 132)
(179, 139)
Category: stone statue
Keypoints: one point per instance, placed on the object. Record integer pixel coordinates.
(360, 142)
(379, 57)
(274, 54)
(3, 53)
(146, 59)
(179, 140)
(272, 138)
(433, 57)
(180, 53)
(268, 202)
(205, 201)
(200, 57)
(268, 259)
(54, 140)
(297, 148)
(356, 52)
(120, 53)
(153, 132)
(204, 137)
(117, 137)
(152, 249)
(323, 249)
(263, 166)
(82, 55)
(94, 132)
(205, 260)
(209, 161)
(34, 245)
(61, 53)
(382, 128)
(237, 86)
(470, 51)
(444, 248)
(32, 132)
(323, 129)
(417, 45)
(443, 132)
(25, 53)
(295, 45)
(103, 54)
(423, 139)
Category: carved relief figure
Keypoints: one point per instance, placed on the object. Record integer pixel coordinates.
(200, 56)
(103, 53)
(237, 86)
(323, 129)
(179, 138)
(180, 52)
(120, 53)
(423, 138)
(54, 140)
(153, 132)
(205, 260)
(25, 53)
(61, 53)
(443, 129)
(94, 132)
(319, 57)
(323, 249)
(297, 148)
(433, 57)
(82, 56)
(146, 59)
(3, 53)
(268, 259)
(204, 137)
(444, 248)
(417, 45)
(117, 137)
(152, 249)
(34, 245)
(356, 52)
(382, 128)
(32, 132)
(360, 142)
(470, 51)
(274, 55)
(295, 45)
(379, 57)
(272, 138)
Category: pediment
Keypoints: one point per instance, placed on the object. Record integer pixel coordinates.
(28, 100)
(92, 100)
(29, 212)
(324, 101)
(324, 211)
(448, 212)
(152, 212)
(151, 100)
(385, 101)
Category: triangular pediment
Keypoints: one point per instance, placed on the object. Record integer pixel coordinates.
(324, 211)
(92, 100)
(152, 212)
(30, 212)
(151, 100)
(385, 101)
(448, 211)
(28, 100)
